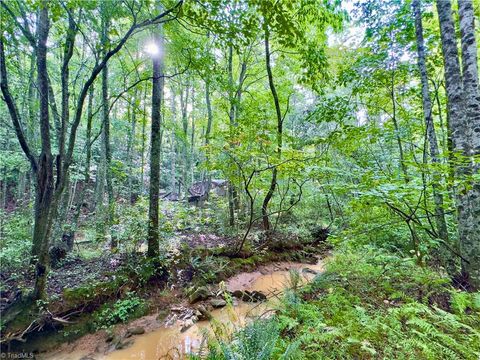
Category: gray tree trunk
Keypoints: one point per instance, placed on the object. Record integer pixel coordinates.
(469, 223)
(464, 128)
(427, 113)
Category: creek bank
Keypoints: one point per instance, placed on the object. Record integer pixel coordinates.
(181, 332)
(78, 304)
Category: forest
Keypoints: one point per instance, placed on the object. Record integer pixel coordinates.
(239, 179)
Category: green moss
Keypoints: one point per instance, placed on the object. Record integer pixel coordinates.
(92, 293)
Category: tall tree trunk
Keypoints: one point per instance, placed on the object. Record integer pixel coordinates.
(45, 203)
(234, 95)
(132, 193)
(100, 197)
(231, 115)
(183, 106)
(208, 130)
(144, 140)
(403, 165)
(86, 170)
(469, 222)
(173, 166)
(427, 113)
(192, 139)
(32, 105)
(155, 148)
(455, 114)
(110, 218)
(279, 135)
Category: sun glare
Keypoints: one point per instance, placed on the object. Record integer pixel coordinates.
(152, 49)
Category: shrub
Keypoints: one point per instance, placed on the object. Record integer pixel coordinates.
(128, 308)
(378, 305)
(366, 305)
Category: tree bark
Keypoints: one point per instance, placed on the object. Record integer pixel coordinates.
(183, 108)
(110, 218)
(173, 166)
(427, 113)
(192, 139)
(86, 169)
(208, 130)
(45, 204)
(469, 222)
(155, 148)
(132, 193)
(279, 135)
(144, 140)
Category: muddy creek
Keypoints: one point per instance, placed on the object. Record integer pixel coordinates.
(169, 342)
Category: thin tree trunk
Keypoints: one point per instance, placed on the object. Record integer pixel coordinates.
(273, 90)
(403, 165)
(427, 112)
(173, 166)
(183, 106)
(234, 95)
(208, 130)
(144, 138)
(155, 148)
(110, 218)
(86, 170)
(209, 112)
(131, 147)
(192, 139)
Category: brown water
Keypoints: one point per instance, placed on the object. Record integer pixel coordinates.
(170, 343)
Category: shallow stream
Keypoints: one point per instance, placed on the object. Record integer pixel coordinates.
(169, 342)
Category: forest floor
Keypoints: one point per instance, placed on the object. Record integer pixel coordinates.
(75, 271)
(79, 288)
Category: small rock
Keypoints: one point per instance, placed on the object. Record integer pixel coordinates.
(218, 303)
(109, 338)
(123, 344)
(238, 294)
(201, 293)
(258, 296)
(186, 325)
(309, 271)
(204, 313)
(137, 330)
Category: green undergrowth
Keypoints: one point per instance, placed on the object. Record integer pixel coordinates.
(130, 307)
(367, 305)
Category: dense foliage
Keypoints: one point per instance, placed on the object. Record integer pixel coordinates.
(165, 145)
